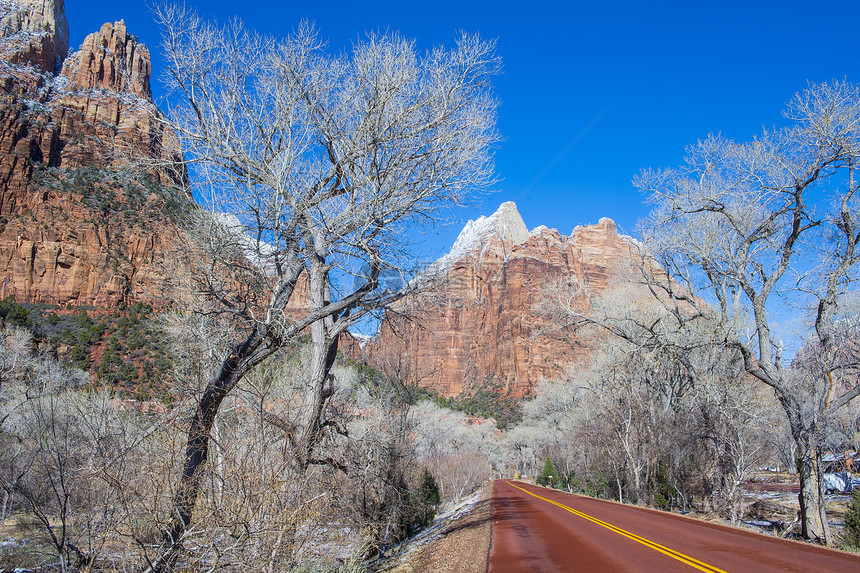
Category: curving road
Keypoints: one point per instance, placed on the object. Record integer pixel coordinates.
(539, 529)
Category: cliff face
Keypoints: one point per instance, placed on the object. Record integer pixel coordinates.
(34, 32)
(112, 60)
(485, 322)
(88, 174)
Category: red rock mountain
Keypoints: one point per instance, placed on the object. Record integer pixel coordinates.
(88, 174)
(34, 32)
(89, 186)
(484, 322)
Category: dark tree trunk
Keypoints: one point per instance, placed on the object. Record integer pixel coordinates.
(245, 356)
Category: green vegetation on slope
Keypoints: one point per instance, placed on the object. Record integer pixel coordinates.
(123, 348)
(490, 400)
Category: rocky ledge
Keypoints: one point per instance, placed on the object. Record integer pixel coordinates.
(89, 176)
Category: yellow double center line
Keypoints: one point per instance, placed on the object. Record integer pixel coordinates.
(695, 563)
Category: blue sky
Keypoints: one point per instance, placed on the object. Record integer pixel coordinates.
(648, 78)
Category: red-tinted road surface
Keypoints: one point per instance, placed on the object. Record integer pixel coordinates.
(532, 534)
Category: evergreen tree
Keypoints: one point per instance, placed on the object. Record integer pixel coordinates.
(428, 489)
(549, 475)
(427, 499)
(852, 522)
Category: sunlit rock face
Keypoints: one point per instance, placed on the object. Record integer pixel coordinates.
(34, 32)
(485, 321)
(78, 134)
(111, 59)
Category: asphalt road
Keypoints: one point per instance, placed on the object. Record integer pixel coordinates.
(538, 529)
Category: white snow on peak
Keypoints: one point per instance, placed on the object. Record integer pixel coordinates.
(258, 252)
(362, 339)
(506, 223)
(640, 246)
(542, 228)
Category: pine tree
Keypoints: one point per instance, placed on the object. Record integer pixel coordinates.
(852, 522)
(428, 489)
(549, 475)
(428, 499)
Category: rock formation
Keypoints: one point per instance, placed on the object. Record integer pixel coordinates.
(484, 322)
(88, 173)
(34, 32)
(110, 59)
(90, 195)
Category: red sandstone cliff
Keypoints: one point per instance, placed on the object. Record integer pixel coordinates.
(88, 179)
(481, 321)
(34, 32)
(88, 174)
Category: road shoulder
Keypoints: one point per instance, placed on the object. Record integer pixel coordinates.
(458, 543)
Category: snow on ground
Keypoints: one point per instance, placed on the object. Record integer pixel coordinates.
(362, 339)
(435, 530)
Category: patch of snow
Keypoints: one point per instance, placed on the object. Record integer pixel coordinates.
(434, 531)
(538, 230)
(633, 241)
(362, 339)
(760, 523)
(258, 252)
(506, 223)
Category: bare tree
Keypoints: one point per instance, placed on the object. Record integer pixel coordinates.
(324, 164)
(640, 401)
(731, 425)
(744, 231)
(456, 447)
(71, 458)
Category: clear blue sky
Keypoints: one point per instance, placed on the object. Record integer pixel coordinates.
(657, 74)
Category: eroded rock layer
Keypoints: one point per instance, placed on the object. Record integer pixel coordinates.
(88, 173)
(34, 32)
(487, 321)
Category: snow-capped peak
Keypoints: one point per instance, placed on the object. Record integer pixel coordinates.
(362, 339)
(506, 223)
(258, 252)
(538, 230)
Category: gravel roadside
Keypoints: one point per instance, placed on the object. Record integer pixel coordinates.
(459, 541)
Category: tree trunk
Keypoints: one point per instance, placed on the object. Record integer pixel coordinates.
(813, 518)
(244, 356)
(637, 483)
(218, 489)
(812, 509)
(323, 355)
(197, 446)
(735, 502)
